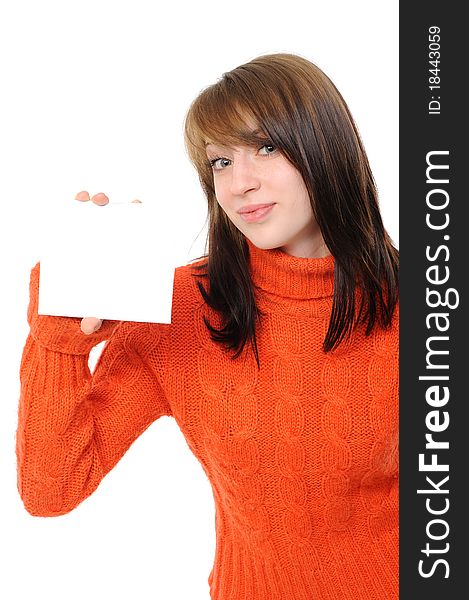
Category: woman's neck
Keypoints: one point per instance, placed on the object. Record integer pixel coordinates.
(279, 273)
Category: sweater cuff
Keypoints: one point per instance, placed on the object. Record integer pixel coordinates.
(62, 334)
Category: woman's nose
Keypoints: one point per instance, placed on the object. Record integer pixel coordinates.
(244, 176)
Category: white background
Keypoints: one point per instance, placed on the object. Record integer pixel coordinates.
(93, 97)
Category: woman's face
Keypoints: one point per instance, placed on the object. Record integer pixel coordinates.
(244, 176)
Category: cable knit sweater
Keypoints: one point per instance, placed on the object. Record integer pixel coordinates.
(302, 455)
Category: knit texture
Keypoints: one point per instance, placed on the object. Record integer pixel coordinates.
(302, 455)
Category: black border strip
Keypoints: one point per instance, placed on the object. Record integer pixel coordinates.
(433, 286)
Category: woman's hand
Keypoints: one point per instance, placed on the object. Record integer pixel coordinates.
(91, 324)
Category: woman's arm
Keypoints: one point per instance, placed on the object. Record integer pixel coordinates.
(73, 427)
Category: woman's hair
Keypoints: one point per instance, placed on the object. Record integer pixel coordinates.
(297, 108)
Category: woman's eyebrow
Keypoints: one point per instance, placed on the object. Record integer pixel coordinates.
(255, 132)
(213, 145)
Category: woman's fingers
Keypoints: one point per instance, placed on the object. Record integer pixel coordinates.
(100, 199)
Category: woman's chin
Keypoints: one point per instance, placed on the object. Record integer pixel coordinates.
(262, 243)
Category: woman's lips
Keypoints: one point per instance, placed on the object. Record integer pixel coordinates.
(256, 212)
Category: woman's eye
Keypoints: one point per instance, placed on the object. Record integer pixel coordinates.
(271, 148)
(219, 163)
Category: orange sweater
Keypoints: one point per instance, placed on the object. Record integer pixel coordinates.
(302, 455)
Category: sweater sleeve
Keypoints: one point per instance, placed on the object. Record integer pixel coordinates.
(74, 426)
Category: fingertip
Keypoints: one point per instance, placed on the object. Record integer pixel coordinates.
(82, 196)
(100, 199)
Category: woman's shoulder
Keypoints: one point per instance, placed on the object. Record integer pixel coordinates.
(187, 279)
(192, 271)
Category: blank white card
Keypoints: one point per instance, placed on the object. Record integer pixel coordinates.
(111, 262)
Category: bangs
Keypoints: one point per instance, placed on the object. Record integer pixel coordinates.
(221, 118)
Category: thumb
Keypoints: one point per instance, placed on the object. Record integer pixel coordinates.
(90, 325)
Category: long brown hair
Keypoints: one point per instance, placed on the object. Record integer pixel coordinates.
(299, 110)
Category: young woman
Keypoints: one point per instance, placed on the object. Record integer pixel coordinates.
(280, 364)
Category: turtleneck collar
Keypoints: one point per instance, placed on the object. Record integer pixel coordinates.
(283, 275)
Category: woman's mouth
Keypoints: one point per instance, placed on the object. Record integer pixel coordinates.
(257, 214)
